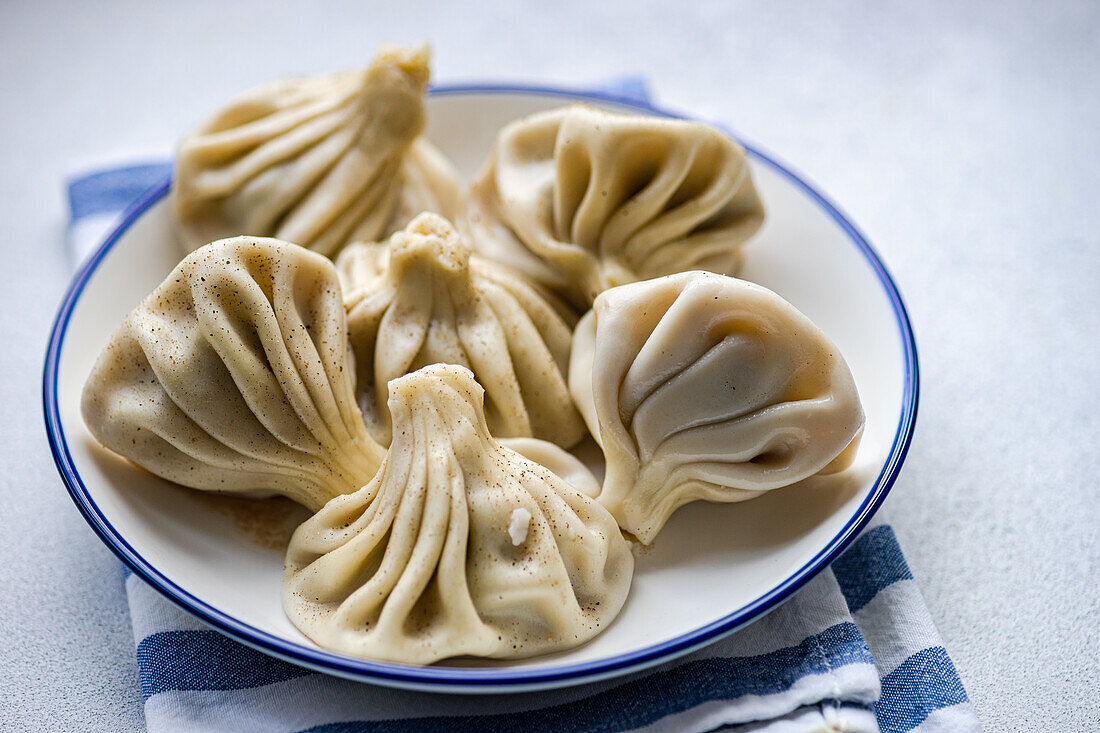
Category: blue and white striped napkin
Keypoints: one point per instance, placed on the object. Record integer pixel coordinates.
(853, 650)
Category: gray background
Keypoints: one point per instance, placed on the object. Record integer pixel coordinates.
(964, 141)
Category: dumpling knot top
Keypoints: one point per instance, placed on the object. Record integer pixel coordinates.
(433, 303)
(234, 376)
(319, 161)
(459, 546)
(701, 386)
(359, 264)
(582, 200)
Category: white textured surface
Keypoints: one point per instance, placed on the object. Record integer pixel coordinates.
(964, 143)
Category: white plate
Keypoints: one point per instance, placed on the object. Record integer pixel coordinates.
(713, 569)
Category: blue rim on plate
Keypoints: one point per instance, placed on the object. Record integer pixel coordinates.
(481, 679)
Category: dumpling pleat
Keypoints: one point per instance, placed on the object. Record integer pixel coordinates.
(295, 107)
(368, 602)
(490, 355)
(533, 369)
(267, 386)
(353, 178)
(430, 523)
(263, 196)
(691, 203)
(230, 160)
(651, 172)
(202, 388)
(363, 218)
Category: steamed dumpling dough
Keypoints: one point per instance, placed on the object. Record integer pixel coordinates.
(582, 200)
(701, 386)
(234, 376)
(458, 546)
(319, 161)
(434, 303)
(360, 263)
(429, 182)
(560, 461)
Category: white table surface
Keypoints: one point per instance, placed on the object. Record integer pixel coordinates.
(965, 143)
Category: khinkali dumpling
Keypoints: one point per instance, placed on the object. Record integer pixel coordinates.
(319, 161)
(582, 200)
(458, 546)
(701, 386)
(434, 303)
(234, 375)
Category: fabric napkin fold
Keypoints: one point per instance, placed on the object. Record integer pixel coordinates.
(853, 650)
